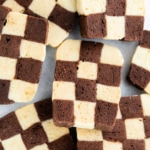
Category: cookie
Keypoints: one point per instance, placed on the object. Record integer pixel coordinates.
(33, 128)
(111, 19)
(86, 88)
(139, 73)
(22, 52)
(131, 131)
(61, 15)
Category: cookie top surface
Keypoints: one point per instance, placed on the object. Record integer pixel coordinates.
(131, 130)
(32, 126)
(112, 19)
(140, 66)
(22, 52)
(84, 75)
(55, 11)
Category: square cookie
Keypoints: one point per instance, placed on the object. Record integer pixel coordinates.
(131, 131)
(33, 128)
(111, 19)
(139, 73)
(61, 15)
(22, 52)
(86, 88)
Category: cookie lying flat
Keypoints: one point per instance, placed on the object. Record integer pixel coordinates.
(86, 89)
(22, 52)
(60, 13)
(131, 131)
(111, 19)
(33, 129)
(140, 68)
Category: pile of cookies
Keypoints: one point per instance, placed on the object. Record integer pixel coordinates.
(86, 111)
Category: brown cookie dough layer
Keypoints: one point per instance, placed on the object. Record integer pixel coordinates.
(3, 13)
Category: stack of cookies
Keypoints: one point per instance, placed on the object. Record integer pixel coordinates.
(87, 110)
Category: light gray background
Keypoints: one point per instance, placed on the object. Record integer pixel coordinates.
(45, 86)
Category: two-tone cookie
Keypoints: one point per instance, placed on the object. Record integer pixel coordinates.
(22, 52)
(140, 66)
(86, 88)
(131, 131)
(111, 19)
(32, 128)
(60, 13)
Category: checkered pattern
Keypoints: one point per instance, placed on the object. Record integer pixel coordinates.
(33, 129)
(57, 12)
(22, 52)
(86, 89)
(131, 130)
(112, 19)
(140, 67)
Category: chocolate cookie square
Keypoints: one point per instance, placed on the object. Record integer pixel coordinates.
(21, 57)
(33, 128)
(111, 19)
(79, 66)
(139, 73)
(130, 131)
(61, 16)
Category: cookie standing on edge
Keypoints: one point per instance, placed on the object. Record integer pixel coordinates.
(60, 13)
(33, 128)
(111, 19)
(131, 131)
(86, 88)
(140, 68)
(22, 52)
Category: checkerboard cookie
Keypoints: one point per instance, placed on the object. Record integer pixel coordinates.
(140, 68)
(86, 88)
(112, 19)
(131, 131)
(60, 13)
(32, 128)
(22, 52)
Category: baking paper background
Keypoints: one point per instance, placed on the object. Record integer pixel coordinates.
(45, 85)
